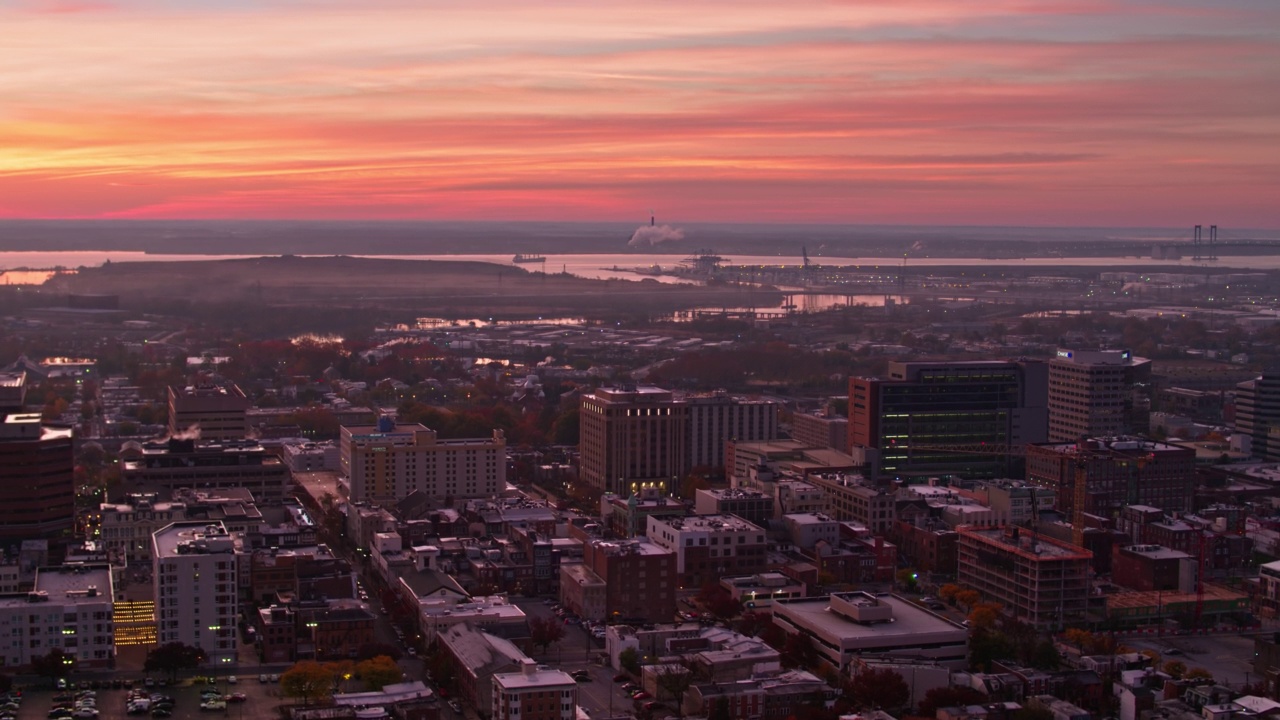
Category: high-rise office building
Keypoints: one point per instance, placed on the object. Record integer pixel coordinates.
(1098, 393)
(632, 438)
(718, 417)
(916, 418)
(1257, 412)
(37, 464)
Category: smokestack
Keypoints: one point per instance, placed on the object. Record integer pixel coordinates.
(651, 219)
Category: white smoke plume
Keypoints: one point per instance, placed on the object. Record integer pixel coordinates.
(191, 433)
(650, 235)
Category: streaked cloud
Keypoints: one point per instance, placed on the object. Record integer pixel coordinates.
(1017, 111)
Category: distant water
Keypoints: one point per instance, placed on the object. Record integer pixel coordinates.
(637, 267)
(577, 238)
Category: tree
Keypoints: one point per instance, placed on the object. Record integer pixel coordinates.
(441, 665)
(172, 657)
(1198, 673)
(1028, 712)
(374, 649)
(984, 615)
(907, 579)
(629, 660)
(1045, 656)
(720, 709)
(54, 664)
(545, 631)
(968, 598)
(718, 601)
(799, 651)
(948, 592)
(941, 697)
(308, 680)
(1175, 668)
(675, 679)
(879, 688)
(377, 673)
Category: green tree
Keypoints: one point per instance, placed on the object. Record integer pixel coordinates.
(376, 673)
(629, 660)
(54, 664)
(309, 681)
(172, 657)
(720, 709)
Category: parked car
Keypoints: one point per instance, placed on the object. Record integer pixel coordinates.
(641, 695)
(214, 705)
(455, 706)
(621, 677)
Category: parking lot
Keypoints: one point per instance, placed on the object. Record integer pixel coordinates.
(1228, 657)
(260, 700)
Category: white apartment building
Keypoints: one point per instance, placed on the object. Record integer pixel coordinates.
(708, 547)
(534, 693)
(808, 529)
(69, 609)
(383, 463)
(195, 568)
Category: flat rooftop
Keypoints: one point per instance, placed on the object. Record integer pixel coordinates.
(542, 677)
(708, 523)
(191, 534)
(1039, 547)
(640, 546)
(908, 619)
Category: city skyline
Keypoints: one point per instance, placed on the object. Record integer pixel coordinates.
(1105, 112)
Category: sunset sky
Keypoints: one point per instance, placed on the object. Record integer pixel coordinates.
(1012, 112)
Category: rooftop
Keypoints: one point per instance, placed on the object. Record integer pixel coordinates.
(542, 676)
(1026, 544)
(707, 523)
(908, 619)
(640, 546)
(194, 538)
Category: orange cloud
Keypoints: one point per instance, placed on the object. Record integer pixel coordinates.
(1014, 111)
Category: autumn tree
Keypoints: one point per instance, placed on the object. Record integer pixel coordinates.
(545, 631)
(947, 593)
(376, 673)
(1175, 669)
(968, 598)
(879, 688)
(308, 680)
(985, 615)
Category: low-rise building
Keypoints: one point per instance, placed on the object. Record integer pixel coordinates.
(70, 609)
(753, 506)
(759, 591)
(808, 529)
(534, 693)
(479, 656)
(707, 547)
(778, 695)
(639, 577)
(845, 626)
